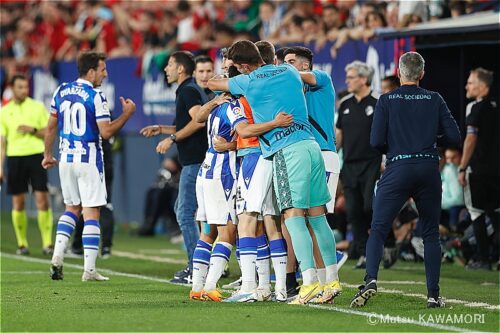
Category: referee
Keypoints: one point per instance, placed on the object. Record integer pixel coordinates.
(22, 128)
(408, 124)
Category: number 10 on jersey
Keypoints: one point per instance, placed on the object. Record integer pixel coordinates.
(74, 115)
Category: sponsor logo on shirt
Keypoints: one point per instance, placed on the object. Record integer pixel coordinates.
(278, 135)
(369, 110)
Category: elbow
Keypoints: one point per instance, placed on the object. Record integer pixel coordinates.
(106, 135)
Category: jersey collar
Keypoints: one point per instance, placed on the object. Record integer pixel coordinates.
(80, 80)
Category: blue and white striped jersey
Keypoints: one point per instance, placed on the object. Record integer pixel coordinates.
(221, 122)
(78, 107)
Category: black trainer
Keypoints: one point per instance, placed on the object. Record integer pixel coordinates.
(390, 256)
(182, 272)
(106, 252)
(56, 272)
(361, 264)
(435, 303)
(184, 277)
(364, 294)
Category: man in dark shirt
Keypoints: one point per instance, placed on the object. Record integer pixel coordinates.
(479, 170)
(192, 144)
(408, 124)
(361, 167)
(204, 71)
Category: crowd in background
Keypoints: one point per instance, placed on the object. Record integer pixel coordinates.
(40, 32)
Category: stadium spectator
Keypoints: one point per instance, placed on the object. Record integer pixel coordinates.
(361, 168)
(389, 83)
(191, 143)
(409, 140)
(160, 199)
(452, 199)
(23, 123)
(479, 170)
(81, 167)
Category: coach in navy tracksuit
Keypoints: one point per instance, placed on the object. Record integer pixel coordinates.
(408, 124)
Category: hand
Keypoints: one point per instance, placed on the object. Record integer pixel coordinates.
(49, 162)
(164, 145)
(223, 98)
(220, 144)
(150, 131)
(24, 129)
(128, 106)
(283, 120)
(461, 179)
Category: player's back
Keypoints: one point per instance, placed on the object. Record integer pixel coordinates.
(321, 107)
(78, 107)
(274, 89)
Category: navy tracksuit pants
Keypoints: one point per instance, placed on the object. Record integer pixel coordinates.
(420, 180)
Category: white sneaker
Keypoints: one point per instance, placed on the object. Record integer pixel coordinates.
(280, 295)
(93, 276)
(242, 297)
(263, 294)
(233, 285)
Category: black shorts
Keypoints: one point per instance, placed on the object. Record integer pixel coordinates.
(484, 191)
(23, 171)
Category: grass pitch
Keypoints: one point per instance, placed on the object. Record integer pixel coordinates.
(139, 298)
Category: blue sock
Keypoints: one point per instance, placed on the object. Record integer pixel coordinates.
(325, 238)
(302, 241)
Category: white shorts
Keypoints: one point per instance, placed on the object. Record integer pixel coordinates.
(215, 200)
(255, 193)
(332, 167)
(82, 183)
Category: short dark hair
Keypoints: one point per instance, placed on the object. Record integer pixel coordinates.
(483, 75)
(89, 60)
(301, 51)
(331, 6)
(186, 60)
(270, 3)
(244, 52)
(18, 77)
(225, 28)
(280, 54)
(202, 59)
(393, 80)
(266, 51)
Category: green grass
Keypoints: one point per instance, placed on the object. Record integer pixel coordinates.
(30, 301)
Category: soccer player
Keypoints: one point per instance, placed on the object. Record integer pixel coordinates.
(298, 166)
(255, 197)
(23, 124)
(80, 116)
(320, 98)
(408, 124)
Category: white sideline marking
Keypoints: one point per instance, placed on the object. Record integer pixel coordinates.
(148, 278)
(132, 255)
(400, 282)
(379, 317)
(160, 251)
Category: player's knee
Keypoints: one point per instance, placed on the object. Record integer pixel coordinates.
(42, 200)
(18, 202)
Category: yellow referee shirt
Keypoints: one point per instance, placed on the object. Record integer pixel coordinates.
(30, 113)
